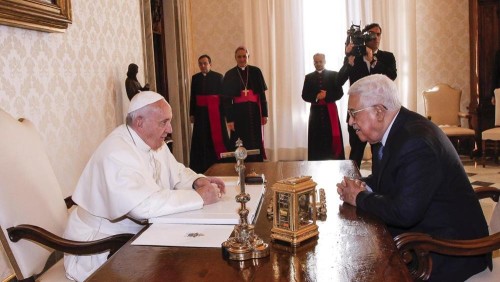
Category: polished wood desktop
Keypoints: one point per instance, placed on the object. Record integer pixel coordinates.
(351, 246)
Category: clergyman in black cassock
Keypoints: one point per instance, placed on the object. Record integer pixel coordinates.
(247, 112)
(322, 88)
(210, 136)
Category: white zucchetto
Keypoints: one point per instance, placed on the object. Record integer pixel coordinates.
(142, 99)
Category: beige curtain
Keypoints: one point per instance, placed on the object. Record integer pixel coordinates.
(275, 42)
(398, 22)
(281, 40)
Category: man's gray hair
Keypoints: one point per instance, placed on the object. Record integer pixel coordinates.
(376, 89)
(133, 115)
(130, 118)
(320, 55)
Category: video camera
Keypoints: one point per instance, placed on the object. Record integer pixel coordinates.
(359, 40)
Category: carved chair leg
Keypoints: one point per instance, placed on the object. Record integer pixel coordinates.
(484, 153)
(474, 147)
(496, 152)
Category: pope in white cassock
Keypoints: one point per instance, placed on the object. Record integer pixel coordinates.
(133, 174)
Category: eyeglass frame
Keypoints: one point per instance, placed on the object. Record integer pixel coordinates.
(352, 113)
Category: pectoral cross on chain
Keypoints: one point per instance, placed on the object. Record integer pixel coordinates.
(245, 92)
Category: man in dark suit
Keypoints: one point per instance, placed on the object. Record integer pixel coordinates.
(418, 183)
(322, 88)
(374, 61)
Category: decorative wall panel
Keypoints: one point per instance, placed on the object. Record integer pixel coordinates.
(443, 46)
(217, 30)
(71, 84)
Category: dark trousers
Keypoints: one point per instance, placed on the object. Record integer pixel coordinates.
(357, 146)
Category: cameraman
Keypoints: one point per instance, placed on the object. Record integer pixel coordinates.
(359, 66)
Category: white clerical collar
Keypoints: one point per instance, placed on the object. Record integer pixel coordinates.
(242, 68)
(320, 71)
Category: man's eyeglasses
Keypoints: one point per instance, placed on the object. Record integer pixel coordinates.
(353, 113)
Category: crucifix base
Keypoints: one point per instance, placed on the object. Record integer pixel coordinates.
(245, 244)
(251, 248)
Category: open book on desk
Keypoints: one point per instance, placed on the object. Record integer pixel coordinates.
(184, 235)
(223, 212)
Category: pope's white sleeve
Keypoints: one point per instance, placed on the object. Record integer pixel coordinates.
(183, 174)
(166, 202)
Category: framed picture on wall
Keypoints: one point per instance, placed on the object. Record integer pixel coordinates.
(42, 15)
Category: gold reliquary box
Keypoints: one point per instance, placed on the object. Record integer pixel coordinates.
(294, 205)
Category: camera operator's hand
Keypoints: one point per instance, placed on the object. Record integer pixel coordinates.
(350, 60)
(348, 49)
(369, 54)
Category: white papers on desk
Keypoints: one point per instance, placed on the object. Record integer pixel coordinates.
(184, 235)
(223, 212)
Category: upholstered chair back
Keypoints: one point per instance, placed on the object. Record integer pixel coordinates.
(442, 104)
(497, 107)
(29, 194)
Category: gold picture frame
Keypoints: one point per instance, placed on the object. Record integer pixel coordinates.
(42, 15)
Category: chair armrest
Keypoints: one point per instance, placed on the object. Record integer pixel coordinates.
(138, 221)
(487, 192)
(467, 116)
(414, 248)
(69, 202)
(46, 238)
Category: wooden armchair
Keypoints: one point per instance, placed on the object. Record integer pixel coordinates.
(415, 247)
(32, 206)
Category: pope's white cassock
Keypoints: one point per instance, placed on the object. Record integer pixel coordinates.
(125, 177)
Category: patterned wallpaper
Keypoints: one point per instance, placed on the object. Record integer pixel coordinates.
(217, 30)
(443, 46)
(71, 84)
(442, 40)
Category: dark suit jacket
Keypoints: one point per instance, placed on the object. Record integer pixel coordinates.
(422, 187)
(386, 64)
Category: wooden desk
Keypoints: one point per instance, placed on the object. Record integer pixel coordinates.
(352, 245)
